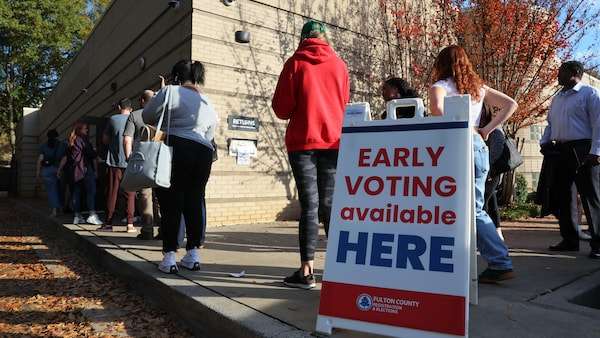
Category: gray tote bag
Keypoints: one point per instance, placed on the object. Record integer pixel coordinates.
(149, 165)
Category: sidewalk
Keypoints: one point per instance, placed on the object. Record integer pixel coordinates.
(215, 304)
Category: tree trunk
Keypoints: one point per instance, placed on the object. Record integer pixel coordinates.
(11, 117)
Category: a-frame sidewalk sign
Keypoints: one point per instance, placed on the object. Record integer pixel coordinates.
(399, 257)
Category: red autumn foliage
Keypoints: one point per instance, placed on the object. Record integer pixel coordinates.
(515, 45)
(518, 45)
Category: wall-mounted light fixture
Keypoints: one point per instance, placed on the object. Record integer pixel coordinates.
(174, 3)
(142, 62)
(242, 37)
(228, 2)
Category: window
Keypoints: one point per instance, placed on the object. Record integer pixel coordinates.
(535, 178)
(535, 132)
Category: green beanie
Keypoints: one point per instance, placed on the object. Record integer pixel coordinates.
(311, 26)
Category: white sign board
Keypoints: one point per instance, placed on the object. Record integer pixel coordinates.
(398, 251)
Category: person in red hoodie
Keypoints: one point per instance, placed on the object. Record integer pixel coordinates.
(312, 93)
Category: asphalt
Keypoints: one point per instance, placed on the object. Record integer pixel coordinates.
(545, 300)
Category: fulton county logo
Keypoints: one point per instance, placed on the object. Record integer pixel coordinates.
(364, 302)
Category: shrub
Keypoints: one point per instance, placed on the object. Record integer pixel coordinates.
(520, 189)
(519, 211)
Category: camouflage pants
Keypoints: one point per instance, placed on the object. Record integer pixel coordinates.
(314, 172)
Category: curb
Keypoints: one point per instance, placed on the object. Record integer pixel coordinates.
(205, 312)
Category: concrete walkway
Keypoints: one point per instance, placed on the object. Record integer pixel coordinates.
(214, 304)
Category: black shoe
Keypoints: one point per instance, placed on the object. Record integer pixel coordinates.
(145, 236)
(595, 254)
(297, 280)
(490, 276)
(564, 246)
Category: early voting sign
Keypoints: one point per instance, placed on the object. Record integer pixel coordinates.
(398, 253)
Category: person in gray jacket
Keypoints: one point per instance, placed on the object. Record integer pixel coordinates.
(132, 132)
(191, 130)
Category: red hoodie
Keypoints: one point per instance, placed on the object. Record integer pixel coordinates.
(312, 92)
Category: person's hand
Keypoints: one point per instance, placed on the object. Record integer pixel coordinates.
(163, 82)
(592, 160)
(58, 173)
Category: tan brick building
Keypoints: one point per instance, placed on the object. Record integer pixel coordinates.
(136, 41)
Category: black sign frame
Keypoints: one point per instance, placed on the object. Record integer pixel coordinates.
(243, 123)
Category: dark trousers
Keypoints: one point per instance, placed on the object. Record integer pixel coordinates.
(87, 184)
(191, 166)
(587, 179)
(314, 172)
(491, 199)
(115, 175)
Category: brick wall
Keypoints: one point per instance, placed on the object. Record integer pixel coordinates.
(27, 149)
(241, 79)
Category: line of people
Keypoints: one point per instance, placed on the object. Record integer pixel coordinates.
(312, 93)
(313, 89)
(191, 125)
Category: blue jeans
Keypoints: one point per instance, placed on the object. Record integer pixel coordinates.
(490, 245)
(52, 187)
(89, 184)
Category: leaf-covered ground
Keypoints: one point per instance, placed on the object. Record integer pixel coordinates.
(48, 290)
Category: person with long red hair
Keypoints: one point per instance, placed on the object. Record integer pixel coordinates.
(453, 74)
(80, 168)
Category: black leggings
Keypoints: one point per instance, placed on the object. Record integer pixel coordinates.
(314, 172)
(192, 162)
(491, 198)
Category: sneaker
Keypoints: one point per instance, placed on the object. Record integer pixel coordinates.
(131, 228)
(584, 235)
(191, 260)
(490, 276)
(297, 280)
(94, 219)
(168, 264)
(145, 236)
(77, 219)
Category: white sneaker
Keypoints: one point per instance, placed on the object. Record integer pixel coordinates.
(168, 264)
(191, 260)
(94, 219)
(584, 235)
(77, 219)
